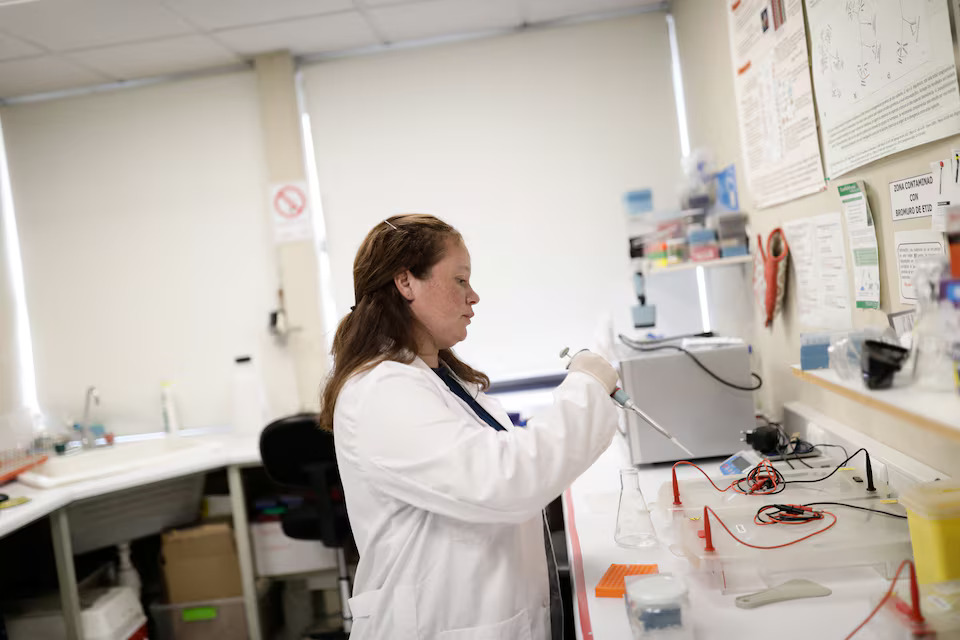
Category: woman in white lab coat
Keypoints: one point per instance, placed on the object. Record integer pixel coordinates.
(444, 495)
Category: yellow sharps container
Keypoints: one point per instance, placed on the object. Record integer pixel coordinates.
(933, 512)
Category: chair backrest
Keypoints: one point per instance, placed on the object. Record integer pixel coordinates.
(296, 453)
(289, 444)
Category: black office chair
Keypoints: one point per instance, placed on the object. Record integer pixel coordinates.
(296, 453)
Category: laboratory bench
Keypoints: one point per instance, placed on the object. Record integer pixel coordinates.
(226, 451)
(590, 514)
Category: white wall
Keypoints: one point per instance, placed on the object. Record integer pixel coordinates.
(708, 83)
(10, 390)
(146, 250)
(527, 144)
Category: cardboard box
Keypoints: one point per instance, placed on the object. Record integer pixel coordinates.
(200, 563)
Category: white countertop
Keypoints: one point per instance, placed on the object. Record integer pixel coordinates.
(594, 498)
(936, 410)
(224, 450)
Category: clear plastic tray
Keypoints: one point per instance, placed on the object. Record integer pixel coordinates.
(858, 538)
(843, 486)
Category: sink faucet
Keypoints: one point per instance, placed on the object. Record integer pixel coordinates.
(85, 436)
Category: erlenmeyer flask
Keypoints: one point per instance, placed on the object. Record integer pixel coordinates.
(634, 526)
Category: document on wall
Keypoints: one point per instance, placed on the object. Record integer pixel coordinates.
(914, 197)
(913, 247)
(778, 129)
(820, 261)
(884, 75)
(862, 238)
(946, 185)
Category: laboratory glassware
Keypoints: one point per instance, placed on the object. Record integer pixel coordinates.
(634, 526)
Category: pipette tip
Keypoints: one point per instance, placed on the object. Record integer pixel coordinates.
(677, 442)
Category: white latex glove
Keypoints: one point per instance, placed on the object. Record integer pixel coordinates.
(595, 366)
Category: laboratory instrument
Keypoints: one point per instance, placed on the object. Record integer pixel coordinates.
(740, 462)
(673, 390)
(622, 399)
(737, 554)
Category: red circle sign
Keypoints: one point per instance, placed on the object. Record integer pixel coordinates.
(290, 201)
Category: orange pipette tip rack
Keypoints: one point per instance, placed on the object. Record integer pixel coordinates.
(611, 584)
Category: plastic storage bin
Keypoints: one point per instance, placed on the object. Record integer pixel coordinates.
(221, 619)
(277, 554)
(933, 512)
(106, 614)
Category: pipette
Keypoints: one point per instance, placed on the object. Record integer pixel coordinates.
(623, 400)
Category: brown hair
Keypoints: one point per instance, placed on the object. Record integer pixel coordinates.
(380, 326)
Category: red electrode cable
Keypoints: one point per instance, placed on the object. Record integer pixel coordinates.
(914, 614)
(676, 487)
(708, 534)
(762, 473)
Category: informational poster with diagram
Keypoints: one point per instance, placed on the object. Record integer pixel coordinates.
(884, 75)
(820, 260)
(778, 129)
(862, 238)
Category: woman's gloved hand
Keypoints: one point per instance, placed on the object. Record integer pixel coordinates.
(595, 366)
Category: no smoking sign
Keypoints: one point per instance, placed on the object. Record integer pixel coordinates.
(290, 210)
(290, 201)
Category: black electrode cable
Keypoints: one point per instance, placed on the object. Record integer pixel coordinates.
(853, 506)
(841, 447)
(869, 469)
(638, 346)
(769, 481)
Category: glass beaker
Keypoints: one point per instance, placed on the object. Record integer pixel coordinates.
(634, 526)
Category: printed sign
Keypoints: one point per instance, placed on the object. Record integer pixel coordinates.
(914, 247)
(290, 210)
(913, 197)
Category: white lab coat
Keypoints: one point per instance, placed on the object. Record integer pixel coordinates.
(446, 511)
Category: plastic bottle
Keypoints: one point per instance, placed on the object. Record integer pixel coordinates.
(250, 412)
(171, 422)
(127, 575)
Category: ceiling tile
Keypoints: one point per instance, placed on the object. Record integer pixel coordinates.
(62, 25)
(11, 48)
(307, 35)
(48, 73)
(156, 57)
(542, 10)
(444, 17)
(380, 3)
(223, 14)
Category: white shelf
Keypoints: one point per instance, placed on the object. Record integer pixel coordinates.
(931, 410)
(706, 264)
